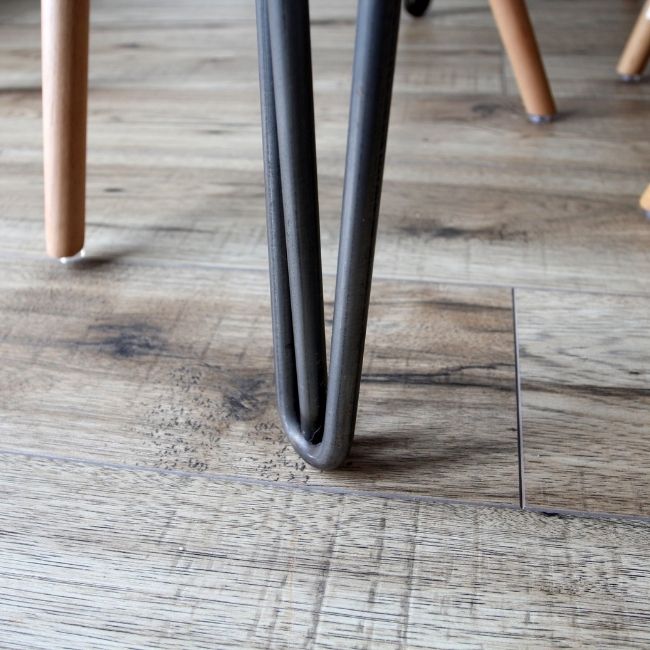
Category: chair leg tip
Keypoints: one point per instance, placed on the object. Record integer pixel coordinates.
(73, 258)
(541, 119)
(629, 78)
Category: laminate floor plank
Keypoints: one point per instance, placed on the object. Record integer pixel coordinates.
(585, 75)
(562, 28)
(456, 219)
(585, 363)
(171, 367)
(156, 560)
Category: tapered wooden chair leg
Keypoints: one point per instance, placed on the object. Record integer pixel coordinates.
(637, 49)
(64, 25)
(518, 36)
(645, 202)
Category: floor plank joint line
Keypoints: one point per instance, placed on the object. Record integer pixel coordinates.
(520, 431)
(324, 489)
(260, 482)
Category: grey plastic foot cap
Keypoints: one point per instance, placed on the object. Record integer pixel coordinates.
(541, 119)
(630, 78)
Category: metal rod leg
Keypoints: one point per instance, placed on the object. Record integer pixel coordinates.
(321, 431)
(372, 83)
(294, 111)
(285, 365)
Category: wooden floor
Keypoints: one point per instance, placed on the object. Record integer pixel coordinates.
(148, 496)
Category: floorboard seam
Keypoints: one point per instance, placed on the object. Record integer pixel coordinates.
(244, 480)
(520, 429)
(325, 489)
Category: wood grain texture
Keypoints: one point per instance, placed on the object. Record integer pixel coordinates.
(190, 562)
(182, 518)
(171, 367)
(585, 370)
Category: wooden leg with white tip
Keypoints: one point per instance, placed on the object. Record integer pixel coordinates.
(637, 49)
(518, 37)
(65, 25)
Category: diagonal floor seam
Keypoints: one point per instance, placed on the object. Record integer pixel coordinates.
(325, 489)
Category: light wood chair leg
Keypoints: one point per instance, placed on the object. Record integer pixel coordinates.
(518, 37)
(637, 49)
(65, 26)
(645, 201)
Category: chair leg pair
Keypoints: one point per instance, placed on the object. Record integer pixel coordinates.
(65, 27)
(65, 81)
(518, 38)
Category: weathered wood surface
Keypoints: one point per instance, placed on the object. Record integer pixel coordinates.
(155, 353)
(585, 372)
(171, 367)
(190, 562)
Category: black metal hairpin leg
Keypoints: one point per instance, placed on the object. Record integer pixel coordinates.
(318, 415)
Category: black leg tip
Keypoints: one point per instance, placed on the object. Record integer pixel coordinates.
(416, 8)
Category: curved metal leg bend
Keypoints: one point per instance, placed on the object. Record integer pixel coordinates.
(318, 415)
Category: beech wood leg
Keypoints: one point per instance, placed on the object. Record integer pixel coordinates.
(637, 49)
(64, 25)
(518, 37)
